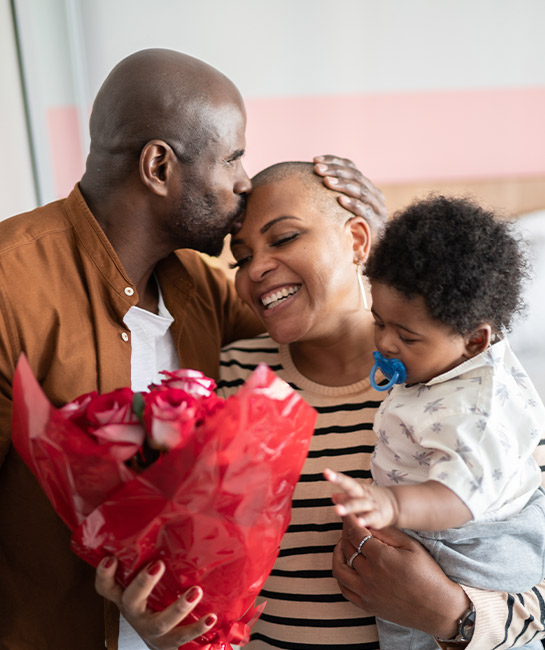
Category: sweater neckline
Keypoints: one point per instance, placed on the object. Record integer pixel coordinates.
(308, 385)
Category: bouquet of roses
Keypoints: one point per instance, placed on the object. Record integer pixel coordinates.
(175, 473)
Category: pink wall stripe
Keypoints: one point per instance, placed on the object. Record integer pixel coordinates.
(397, 137)
(65, 145)
(393, 137)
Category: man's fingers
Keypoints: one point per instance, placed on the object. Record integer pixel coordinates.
(358, 194)
(347, 182)
(350, 181)
(329, 159)
(371, 209)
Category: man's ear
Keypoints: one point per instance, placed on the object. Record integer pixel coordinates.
(361, 237)
(157, 160)
(478, 340)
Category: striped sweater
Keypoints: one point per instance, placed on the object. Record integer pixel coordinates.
(305, 609)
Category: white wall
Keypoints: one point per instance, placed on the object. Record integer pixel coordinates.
(270, 49)
(324, 47)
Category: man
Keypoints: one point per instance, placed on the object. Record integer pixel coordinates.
(80, 280)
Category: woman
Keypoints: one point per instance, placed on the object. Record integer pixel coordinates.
(298, 257)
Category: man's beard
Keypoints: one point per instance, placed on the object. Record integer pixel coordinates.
(203, 228)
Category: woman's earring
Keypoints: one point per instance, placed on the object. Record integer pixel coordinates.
(360, 269)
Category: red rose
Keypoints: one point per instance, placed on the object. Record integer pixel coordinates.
(170, 415)
(76, 411)
(111, 419)
(191, 381)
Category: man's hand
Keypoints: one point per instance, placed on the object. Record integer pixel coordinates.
(395, 578)
(359, 195)
(159, 630)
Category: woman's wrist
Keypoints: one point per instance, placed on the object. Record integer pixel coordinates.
(458, 604)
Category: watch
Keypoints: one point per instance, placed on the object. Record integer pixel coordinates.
(466, 626)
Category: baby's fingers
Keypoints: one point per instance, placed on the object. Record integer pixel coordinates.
(345, 483)
(362, 507)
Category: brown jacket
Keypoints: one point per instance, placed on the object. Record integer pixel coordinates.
(62, 301)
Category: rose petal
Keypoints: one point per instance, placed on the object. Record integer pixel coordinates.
(123, 433)
(192, 381)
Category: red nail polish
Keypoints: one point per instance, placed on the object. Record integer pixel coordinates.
(107, 562)
(154, 568)
(192, 594)
(210, 620)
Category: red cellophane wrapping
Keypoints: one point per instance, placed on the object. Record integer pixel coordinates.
(214, 510)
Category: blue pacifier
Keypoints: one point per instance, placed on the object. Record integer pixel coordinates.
(392, 369)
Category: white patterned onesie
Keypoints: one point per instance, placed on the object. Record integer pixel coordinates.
(473, 429)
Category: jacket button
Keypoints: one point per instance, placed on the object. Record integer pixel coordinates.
(124, 336)
(129, 291)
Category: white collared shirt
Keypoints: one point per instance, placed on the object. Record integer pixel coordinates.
(152, 350)
(152, 345)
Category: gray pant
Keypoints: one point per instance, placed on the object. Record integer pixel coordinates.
(504, 555)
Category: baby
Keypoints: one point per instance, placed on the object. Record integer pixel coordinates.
(455, 436)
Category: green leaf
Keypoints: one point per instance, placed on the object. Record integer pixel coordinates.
(138, 406)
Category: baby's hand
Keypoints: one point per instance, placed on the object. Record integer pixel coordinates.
(374, 507)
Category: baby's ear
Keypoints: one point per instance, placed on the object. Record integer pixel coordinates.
(478, 340)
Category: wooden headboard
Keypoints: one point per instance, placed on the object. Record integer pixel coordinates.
(512, 197)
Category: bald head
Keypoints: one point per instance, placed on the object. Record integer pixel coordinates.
(313, 190)
(155, 94)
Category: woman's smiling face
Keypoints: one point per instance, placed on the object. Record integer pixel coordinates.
(295, 264)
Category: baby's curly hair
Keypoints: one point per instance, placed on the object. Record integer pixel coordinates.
(466, 263)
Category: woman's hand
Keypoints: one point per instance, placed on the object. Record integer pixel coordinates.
(358, 194)
(160, 630)
(395, 578)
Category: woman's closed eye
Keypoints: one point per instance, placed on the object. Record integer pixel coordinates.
(238, 264)
(284, 239)
(278, 240)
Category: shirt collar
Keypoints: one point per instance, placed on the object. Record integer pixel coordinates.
(99, 249)
(489, 357)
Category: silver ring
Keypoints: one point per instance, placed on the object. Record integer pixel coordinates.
(365, 539)
(352, 558)
(358, 552)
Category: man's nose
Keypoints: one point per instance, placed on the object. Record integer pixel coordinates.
(243, 184)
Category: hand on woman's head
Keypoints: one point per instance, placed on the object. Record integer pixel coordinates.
(358, 194)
